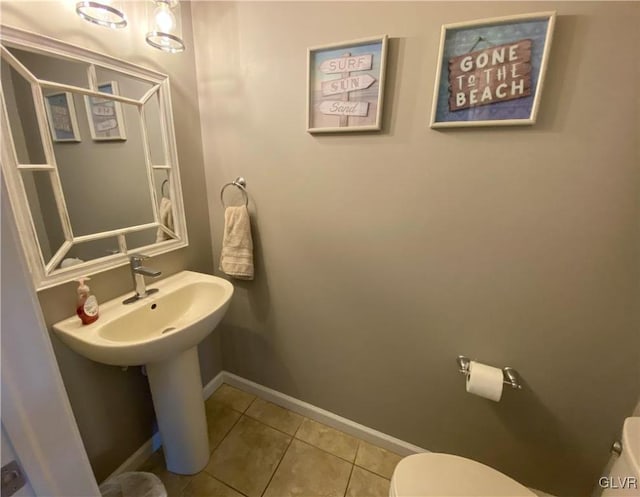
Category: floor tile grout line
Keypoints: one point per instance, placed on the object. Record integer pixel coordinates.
(269, 426)
(249, 405)
(225, 436)
(255, 397)
(346, 489)
(325, 451)
(298, 428)
(229, 405)
(225, 483)
(355, 457)
(358, 440)
(284, 453)
(273, 427)
(189, 480)
(181, 493)
(372, 472)
(223, 404)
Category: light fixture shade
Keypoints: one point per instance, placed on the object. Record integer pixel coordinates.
(165, 25)
(105, 13)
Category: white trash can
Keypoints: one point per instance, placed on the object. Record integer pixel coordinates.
(133, 484)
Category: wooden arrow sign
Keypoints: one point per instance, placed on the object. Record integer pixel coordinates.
(347, 64)
(341, 108)
(345, 85)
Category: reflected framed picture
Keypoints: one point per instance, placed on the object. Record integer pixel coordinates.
(61, 114)
(106, 120)
(345, 86)
(491, 72)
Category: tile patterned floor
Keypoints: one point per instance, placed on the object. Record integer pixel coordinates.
(262, 450)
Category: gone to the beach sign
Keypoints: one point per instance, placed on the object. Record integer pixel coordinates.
(491, 72)
(492, 75)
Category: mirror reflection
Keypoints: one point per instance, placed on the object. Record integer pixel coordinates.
(89, 250)
(162, 185)
(104, 181)
(20, 110)
(128, 87)
(50, 68)
(91, 155)
(153, 125)
(40, 195)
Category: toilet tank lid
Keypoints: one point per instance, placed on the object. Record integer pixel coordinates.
(432, 474)
(631, 442)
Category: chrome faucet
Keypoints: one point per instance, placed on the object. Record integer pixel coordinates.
(138, 272)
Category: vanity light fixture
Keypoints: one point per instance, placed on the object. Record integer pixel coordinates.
(104, 13)
(165, 26)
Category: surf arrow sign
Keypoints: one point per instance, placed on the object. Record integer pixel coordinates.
(345, 85)
(341, 108)
(347, 64)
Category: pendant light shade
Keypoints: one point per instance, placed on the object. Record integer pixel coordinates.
(165, 26)
(103, 13)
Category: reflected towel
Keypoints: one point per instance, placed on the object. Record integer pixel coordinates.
(70, 261)
(236, 258)
(165, 214)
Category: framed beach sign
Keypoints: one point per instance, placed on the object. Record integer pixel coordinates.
(61, 114)
(345, 86)
(491, 72)
(105, 117)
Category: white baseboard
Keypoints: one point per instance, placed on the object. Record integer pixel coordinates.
(213, 385)
(138, 458)
(325, 417)
(298, 406)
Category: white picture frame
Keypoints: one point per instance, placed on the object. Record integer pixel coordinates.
(345, 85)
(491, 72)
(105, 117)
(61, 116)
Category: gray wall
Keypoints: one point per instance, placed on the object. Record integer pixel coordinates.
(381, 257)
(113, 408)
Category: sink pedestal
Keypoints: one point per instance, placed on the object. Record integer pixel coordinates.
(176, 389)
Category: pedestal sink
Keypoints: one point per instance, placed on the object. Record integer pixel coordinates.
(162, 332)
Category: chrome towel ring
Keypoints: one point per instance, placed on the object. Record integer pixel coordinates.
(164, 183)
(240, 183)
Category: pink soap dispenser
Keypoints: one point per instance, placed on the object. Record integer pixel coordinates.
(87, 304)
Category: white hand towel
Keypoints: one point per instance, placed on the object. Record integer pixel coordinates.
(236, 258)
(165, 214)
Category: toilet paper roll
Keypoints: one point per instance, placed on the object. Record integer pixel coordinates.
(485, 381)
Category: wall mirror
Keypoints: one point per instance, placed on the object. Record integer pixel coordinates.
(88, 157)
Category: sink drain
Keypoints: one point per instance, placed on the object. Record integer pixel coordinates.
(167, 330)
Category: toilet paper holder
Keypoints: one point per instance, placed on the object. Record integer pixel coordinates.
(510, 375)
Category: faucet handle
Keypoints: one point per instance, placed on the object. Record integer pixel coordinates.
(135, 260)
(137, 257)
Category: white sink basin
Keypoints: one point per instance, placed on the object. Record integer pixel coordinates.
(187, 307)
(162, 331)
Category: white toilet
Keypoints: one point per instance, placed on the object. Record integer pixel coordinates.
(625, 471)
(443, 475)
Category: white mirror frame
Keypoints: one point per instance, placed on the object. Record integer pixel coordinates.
(46, 274)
